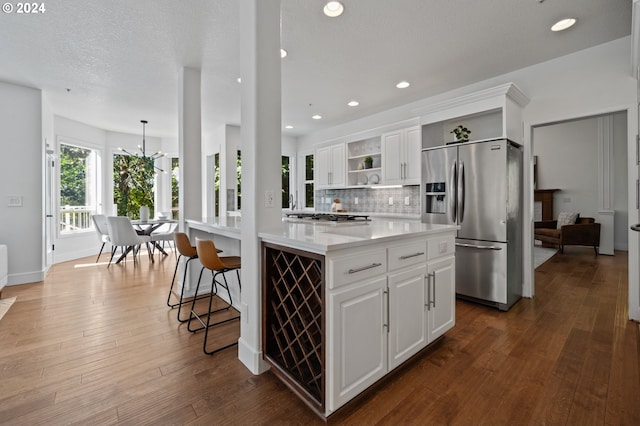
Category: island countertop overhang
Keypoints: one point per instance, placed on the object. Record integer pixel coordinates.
(322, 237)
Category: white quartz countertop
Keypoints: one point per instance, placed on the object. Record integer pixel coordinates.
(228, 226)
(321, 237)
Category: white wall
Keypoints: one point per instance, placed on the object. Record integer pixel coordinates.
(568, 160)
(21, 175)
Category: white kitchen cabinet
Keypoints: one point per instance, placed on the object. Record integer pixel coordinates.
(330, 166)
(407, 317)
(401, 156)
(441, 295)
(357, 342)
(359, 311)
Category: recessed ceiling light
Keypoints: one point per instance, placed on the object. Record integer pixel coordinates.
(239, 80)
(353, 103)
(317, 117)
(403, 85)
(283, 53)
(288, 127)
(333, 9)
(563, 24)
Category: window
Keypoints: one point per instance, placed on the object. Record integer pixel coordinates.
(78, 188)
(239, 176)
(286, 184)
(286, 179)
(216, 184)
(308, 181)
(175, 188)
(133, 184)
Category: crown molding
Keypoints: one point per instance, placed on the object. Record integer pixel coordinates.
(509, 90)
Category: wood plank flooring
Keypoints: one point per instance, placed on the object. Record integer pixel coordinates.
(97, 346)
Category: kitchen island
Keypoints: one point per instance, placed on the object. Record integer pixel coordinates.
(345, 303)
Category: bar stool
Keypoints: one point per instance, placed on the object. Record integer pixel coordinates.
(209, 258)
(186, 250)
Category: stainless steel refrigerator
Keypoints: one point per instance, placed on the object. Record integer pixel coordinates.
(478, 186)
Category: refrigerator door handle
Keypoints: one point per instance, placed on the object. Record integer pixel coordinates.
(452, 196)
(461, 193)
(478, 247)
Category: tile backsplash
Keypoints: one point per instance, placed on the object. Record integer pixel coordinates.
(378, 200)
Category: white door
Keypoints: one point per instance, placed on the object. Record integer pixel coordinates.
(407, 314)
(392, 163)
(49, 208)
(413, 148)
(357, 340)
(338, 165)
(322, 167)
(441, 295)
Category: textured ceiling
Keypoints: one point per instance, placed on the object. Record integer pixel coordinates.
(120, 58)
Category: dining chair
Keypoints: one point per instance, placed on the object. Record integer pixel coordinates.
(122, 234)
(100, 224)
(164, 234)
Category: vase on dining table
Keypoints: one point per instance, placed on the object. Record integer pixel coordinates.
(144, 213)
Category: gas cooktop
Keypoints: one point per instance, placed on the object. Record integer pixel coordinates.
(333, 217)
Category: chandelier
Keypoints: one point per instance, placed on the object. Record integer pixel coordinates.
(143, 150)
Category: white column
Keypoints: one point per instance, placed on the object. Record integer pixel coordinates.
(261, 152)
(605, 184)
(190, 144)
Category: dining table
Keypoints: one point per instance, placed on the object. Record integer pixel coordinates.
(146, 227)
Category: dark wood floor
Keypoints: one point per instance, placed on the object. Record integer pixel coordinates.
(97, 346)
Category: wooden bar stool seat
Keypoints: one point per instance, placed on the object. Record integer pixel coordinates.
(219, 266)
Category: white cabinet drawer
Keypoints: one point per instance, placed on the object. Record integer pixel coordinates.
(440, 247)
(350, 269)
(407, 254)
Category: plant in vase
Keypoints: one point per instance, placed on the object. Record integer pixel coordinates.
(368, 162)
(461, 133)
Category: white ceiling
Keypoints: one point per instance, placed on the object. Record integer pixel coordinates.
(120, 58)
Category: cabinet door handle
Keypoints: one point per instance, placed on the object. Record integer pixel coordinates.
(433, 300)
(385, 294)
(409, 256)
(364, 268)
(478, 247)
(428, 304)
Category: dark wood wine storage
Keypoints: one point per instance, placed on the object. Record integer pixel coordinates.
(293, 320)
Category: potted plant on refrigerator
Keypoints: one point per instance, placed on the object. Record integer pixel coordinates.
(461, 134)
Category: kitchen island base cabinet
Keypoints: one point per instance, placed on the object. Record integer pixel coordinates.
(407, 321)
(357, 347)
(441, 296)
(356, 313)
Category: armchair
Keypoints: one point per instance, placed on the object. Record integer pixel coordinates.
(585, 232)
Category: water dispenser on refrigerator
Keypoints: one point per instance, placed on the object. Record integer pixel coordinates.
(435, 198)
